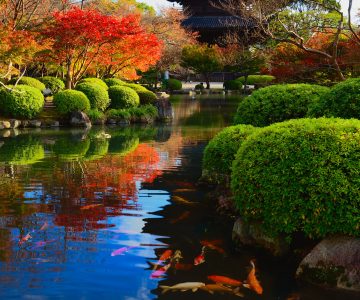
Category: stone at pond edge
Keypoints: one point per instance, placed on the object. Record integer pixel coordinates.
(5, 124)
(80, 119)
(165, 109)
(334, 262)
(252, 234)
(35, 123)
(14, 123)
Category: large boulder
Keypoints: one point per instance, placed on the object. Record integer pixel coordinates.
(80, 119)
(252, 234)
(334, 262)
(165, 110)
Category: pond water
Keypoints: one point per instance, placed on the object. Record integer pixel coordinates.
(85, 215)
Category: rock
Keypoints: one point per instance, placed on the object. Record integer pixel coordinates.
(99, 122)
(55, 124)
(1, 126)
(111, 121)
(165, 109)
(35, 123)
(80, 119)
(162, 95)
(252, 234)
(14, 123)
(5, 124)
(334, 262)
(6, 133)
(47, 92)
(123, 122)
(24, 123)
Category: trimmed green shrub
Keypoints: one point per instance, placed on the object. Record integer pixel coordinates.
(123, 97)
(172, 84)
(146, 97)
(278, 103)
(69, 149)
(301, 176)
(114, 81)
(97, 81)
(199, 87)
(52, 83)
(257, 79)
(22, 102)
(343, 100)
(22, 150)
(119, 114)
(69, 101)
(221, 150)
(97, 95)
(143, 114)
(233, 85)
(33, 82)
(95, 115)
(136, 87)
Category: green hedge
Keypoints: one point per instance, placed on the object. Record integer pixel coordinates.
(233, 85)
(33, 82)
(343, 100)
(69, 101)
(95, 115)
(22, 102)
(97, 81)
(146, 97)
(278, 103)
(114, 81)
(301, 176)
(97, 95)
(123, 97)
(172, 84)
(136, 87)
(221, 150)
(143, 114)
(52, 83)
(257, 79)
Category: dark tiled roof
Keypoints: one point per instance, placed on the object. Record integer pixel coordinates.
(213, 22)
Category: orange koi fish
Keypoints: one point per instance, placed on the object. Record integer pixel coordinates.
(182, 201)
(86, 207)
(200, 258)
(164, 257)
(182, 217)
(44, 227)
(184, 190)
(252, 282)
(160, 272)
(224, 280)
(25, 239)
(214, 245)
(218, 288)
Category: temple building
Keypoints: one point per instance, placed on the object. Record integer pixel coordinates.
(209, 21)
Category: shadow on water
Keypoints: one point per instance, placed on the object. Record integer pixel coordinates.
(87, 214)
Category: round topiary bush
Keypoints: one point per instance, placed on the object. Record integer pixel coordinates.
(52, 83)
(221, 150)
(136, 87)
(233, 85)
(21, 102)
(30, 82)
(114, 81)
(69, 101)
(301, 176)
(147, 97)
(173, 84)
(97, 95)
(343, 100)
(257, 79)
(123, 97)
(278, 103)
(97, 81)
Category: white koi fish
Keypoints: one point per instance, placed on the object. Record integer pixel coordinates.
(182, 287)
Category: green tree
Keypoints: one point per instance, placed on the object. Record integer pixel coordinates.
(202, 59)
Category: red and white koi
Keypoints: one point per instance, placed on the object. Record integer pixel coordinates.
(200, 258)
(159, 273)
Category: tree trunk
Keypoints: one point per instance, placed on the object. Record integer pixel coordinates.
(339, 73)
(207, 80)
(68, 76)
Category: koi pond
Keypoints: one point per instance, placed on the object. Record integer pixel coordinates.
(117, 213)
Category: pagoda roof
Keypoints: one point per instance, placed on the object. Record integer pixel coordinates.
(215, 22)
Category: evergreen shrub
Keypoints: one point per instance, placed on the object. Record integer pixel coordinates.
(93, 80)
(278, 103)
(233, 85)
(52, 83)
(97, 95)
(146, 97)
(123, 97)
(257, 79)
(114, 81)
(69, 101)
(220, 153)
(301, 176)
(22, 102)
(33, 82)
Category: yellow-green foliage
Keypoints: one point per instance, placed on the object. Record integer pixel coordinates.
(123, 97)
(69, 101)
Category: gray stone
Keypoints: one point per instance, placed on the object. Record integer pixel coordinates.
(252, 234)
(334, 262)
(25, 123)
(35, 123)
(14, 123)
(1, 126)
(123, 122)
(165, 109)
(80, 119)
(162, 95)
(6, 124)
(111, 121)
(55, 124)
